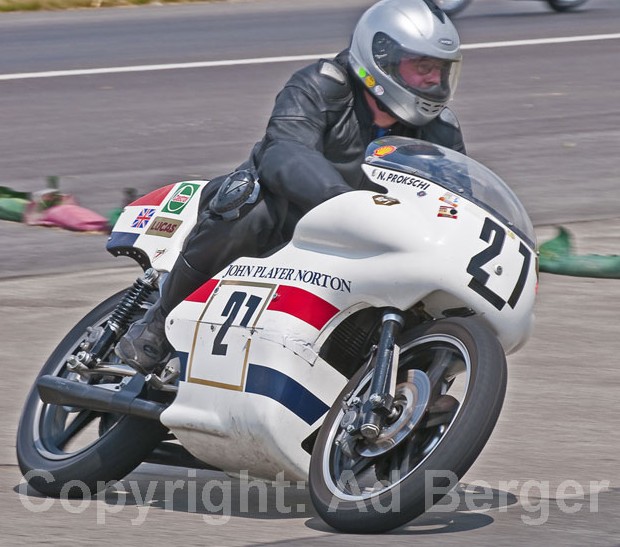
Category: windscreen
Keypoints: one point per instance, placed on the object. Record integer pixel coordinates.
(457, 173)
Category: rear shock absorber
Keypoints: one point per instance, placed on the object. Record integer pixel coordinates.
(132, 300)
(120, 317)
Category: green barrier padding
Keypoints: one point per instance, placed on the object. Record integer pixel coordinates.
(12, 204)
(557, 256)
(12, 208)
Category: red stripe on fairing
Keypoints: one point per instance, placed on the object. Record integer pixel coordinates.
(155, 197)
(304, 305)
(204, 292)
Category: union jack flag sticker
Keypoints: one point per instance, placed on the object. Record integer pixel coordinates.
(143, 218)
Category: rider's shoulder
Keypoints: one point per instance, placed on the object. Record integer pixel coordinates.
(326, 78)
(448, 117)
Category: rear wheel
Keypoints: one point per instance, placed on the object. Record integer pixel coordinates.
(450, 388)
(71, 451)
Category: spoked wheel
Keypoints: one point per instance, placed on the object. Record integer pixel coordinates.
(452, 7)
(450, 388)
(565, 5)
(71, 451)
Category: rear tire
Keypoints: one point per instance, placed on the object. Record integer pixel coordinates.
(75, 452)
(360, 488)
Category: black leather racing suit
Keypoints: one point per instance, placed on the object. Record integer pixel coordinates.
(313, 150)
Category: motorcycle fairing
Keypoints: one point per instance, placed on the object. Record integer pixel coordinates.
(152, 229)
(256, 386)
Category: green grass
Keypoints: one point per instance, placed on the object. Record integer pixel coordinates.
(35, 5)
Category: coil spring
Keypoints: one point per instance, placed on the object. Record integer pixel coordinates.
(131, 302)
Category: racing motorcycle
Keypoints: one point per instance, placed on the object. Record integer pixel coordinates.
(365, 355)
(452, 7)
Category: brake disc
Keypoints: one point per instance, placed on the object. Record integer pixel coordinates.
(411, 399)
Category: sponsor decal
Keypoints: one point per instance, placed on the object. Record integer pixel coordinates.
(143, 218)
(180, 198)
(449, 210)
(384, 150)
(446, 211)
(164, 226)
(421, 193)
(382, 175)
(446, 41)
(450, 199)
(300, 275)
(370, 82)
(158, 254)
(380, 199)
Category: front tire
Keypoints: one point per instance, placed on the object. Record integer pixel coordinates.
(75, 452)
(360, 488)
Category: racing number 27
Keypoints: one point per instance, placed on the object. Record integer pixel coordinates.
(495, 235)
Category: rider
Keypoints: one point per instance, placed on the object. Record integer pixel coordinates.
(396, 78)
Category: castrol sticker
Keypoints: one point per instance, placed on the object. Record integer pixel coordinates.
(181, 198)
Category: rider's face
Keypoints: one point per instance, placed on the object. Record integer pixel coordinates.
(422, 72)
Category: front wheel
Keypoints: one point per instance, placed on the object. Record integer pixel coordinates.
(72, 451)
(565, 5)
(450, 388)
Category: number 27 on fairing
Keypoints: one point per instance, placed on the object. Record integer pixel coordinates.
(495, 235)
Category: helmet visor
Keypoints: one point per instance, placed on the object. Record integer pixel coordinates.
(429, 77)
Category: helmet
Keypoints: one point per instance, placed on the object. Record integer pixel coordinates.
(407, 54)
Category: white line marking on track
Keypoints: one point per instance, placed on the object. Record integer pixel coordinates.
(292, 58)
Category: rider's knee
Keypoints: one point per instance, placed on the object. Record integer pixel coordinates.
(236, 196)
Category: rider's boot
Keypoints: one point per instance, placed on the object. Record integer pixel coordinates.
(145, 346)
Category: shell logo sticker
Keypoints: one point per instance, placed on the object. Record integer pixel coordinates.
(369, 81)
(181, 198)
(384, 150)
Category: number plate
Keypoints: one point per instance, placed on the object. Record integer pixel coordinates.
(223, 334)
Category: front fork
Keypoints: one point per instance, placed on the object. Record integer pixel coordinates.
(368, 418)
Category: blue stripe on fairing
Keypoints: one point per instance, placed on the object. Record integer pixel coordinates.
(182, 355)
(121, 239)
(291, 394)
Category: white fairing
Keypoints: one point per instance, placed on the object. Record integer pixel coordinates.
(254, 385)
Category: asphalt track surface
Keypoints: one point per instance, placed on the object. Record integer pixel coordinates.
(544, 116)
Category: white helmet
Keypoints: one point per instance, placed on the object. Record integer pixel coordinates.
(407, 54)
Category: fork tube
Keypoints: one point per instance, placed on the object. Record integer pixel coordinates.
(380, 400)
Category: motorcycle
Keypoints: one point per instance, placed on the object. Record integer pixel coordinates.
(367, 355)
(452, 7)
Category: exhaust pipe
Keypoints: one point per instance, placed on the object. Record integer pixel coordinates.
(60, 391)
